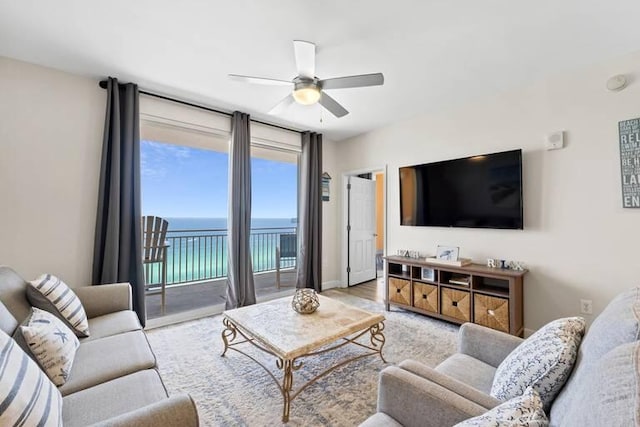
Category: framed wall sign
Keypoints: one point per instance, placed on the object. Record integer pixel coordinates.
(629, 132)
(326, 179)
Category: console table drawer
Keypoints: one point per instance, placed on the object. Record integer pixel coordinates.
(425, 297)
(399, 291)
(456, 304)
(492, 312)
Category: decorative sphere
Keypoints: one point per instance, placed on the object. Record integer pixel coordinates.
(305, 301)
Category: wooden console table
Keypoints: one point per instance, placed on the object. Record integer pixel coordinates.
(491, 297)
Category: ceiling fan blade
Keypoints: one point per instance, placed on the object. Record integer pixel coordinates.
(305, 53)
(332, 105)
(361, 80)
(282, 105)
(260, 80)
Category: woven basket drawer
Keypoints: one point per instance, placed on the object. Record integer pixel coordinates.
(399, 291)
(456, 304)
(492, 312)
(425, 297)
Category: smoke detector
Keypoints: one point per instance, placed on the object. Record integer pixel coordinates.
(617, 83)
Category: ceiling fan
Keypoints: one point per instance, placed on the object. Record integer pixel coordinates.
(309, 89)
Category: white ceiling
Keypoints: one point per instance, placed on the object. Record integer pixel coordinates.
(435, 54)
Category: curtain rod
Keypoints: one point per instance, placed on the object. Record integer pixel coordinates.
(103, 85)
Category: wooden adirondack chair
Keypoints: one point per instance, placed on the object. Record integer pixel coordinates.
(287, 249)
(154, 250)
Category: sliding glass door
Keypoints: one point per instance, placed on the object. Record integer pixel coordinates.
(274, 218)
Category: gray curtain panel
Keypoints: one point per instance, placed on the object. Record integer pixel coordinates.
(310, 213)
(117, 253)
(240, 286)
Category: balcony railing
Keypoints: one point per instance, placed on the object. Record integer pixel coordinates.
(197, 255)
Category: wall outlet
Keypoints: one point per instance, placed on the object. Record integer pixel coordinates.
(586, 306)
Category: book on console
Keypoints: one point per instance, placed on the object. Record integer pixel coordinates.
(464, 281)
(460, 262)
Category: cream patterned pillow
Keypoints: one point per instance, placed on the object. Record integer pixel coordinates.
(52, 343)
(27, 395)
(543, 361)
(525, 410)
(51, 294)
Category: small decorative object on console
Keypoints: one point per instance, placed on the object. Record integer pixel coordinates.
(447, 253)
(428, 273)
(305, 301)
(408, 253)
(505, 265)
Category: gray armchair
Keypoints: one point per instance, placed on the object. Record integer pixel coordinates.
(601, 389)
(413, 394)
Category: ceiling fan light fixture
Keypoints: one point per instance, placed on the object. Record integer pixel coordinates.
(308, 89)
(307, 95)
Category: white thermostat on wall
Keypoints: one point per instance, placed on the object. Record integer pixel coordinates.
(555, 141)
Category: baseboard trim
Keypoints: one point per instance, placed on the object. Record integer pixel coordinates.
(528, 332)
(185, 316)
(331, 284)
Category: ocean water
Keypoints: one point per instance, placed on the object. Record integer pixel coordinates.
(198, 248)
(221, 223)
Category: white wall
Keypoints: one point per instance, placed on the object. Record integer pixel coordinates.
(578, 241)
(331, 217)
(50, 146)
(51, 126)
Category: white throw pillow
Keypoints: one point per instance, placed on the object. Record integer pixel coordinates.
(52, 343)
(51, 294)
(28, 397)
(543, 361)
(525, 410)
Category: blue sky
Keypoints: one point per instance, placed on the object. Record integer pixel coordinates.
(180, 181)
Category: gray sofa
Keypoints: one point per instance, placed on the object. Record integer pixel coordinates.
(113, 380)
(602, 388)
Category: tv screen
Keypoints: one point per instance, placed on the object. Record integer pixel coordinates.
(480, 192)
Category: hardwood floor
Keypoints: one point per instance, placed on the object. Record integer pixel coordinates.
(373, 290)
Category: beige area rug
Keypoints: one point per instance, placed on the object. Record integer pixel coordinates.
(235, 391)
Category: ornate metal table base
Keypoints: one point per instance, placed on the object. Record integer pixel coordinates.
(289, 366)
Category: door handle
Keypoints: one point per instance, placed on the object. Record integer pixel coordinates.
(375, 234)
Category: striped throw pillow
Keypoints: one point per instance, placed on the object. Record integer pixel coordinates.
(52, 343)
(51, 294)
(27, 397)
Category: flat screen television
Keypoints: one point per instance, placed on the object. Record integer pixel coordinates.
(479, 192)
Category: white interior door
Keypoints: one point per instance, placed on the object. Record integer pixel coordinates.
(362, 232)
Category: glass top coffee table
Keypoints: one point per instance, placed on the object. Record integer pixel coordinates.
(275, 328)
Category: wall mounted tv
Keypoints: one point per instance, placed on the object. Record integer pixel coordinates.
(479, 192)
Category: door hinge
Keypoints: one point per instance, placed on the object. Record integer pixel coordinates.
(348, 269)
(348, 186)
(348, 228)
